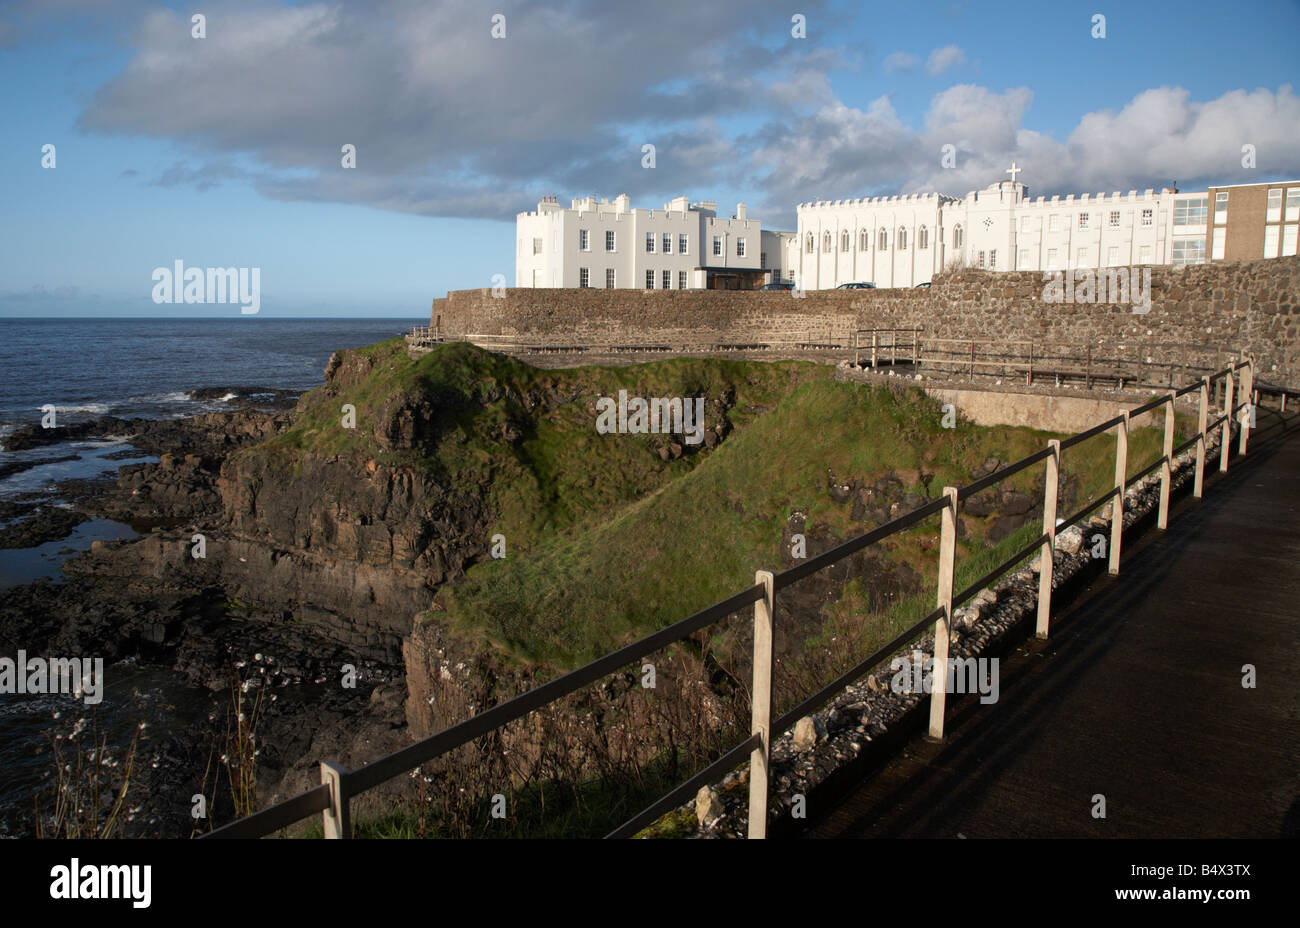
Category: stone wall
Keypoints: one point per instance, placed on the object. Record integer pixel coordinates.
(1196, 310)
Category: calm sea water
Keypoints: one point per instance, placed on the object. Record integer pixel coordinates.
(144, 367)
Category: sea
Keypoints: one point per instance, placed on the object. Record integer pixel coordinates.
(147, 368)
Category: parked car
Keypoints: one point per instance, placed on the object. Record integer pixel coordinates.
(857, 285)
(923, 284)
(780, 285)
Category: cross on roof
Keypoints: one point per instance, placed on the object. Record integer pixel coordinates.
(1013, 171)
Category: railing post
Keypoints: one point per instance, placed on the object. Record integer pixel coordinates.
(874, 338)
(1228, 402)
(1167, 468)
(1117, 504)
(1199, 483)
(1248, 394)
(761, 704)
(337, 819)
(947, 562)
(916, 352)
(1045, 564)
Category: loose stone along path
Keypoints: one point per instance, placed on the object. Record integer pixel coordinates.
(1138, 694)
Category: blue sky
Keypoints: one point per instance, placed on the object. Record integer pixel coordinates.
(224, 151)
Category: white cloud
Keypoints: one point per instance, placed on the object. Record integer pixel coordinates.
(900, 61)
(941, 59)
(1160, 136)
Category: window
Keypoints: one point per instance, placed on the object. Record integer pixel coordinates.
(1221, 207)
(1190, 212)
(740, 247)
(650, 242)
(1293, 204)
(901, 238)
(993, 260)
(1274, 206)
(922, 238)
(826, 243)
(882, 240)
(981, 259)
(666, 279)
(1054, 223)
(649, 280)
(808, 243)
(1216, 250)
(683, 244)
(609, 240)
(1289, 240)
(1081, 257)
(537, 246)
(1112, 256)
(762, 259)
(668, 243)
(1144, 254)
(1051, 258)
(956, 236)
(1024, 259)
(1148, 215)
(717, 244)
(1189, 251)
(1083, 220)
(584, 240)
(1270, 241)
(864, 240)
(845, 241)
(1024, 223)
(584, 277)
(1114, 219)
(609, 278)
(681, 280)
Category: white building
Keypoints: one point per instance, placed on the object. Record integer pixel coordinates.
(684, 246)
(904, 241)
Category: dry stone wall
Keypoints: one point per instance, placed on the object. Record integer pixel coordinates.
(1252, 306)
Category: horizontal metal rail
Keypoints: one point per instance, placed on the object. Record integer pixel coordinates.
(650, 813)
(272, 819)
(1096, 504)
(853, 545)
(372, 774)
(998, 571)
(818, 699)
(966, 492)
(1090, 433)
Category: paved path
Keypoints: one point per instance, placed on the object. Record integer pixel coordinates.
(1138, 694)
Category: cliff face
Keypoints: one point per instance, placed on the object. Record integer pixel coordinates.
(357, 552)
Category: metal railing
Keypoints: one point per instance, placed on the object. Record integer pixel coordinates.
(339, 786)
(1035, 362)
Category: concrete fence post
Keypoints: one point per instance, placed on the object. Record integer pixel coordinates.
(1229, 400)
(337, 819)
(761, 704)
(1045, 564)
(1167, 468)
(875, 340)
(1117, 504)
(947, 564)
(1199, 483)
(1248, 394)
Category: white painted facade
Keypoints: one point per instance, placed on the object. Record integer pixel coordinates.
(904, 241)
(598, 243)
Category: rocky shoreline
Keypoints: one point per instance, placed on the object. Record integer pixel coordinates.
(148, 602)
